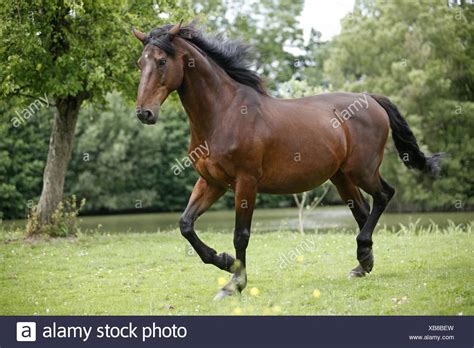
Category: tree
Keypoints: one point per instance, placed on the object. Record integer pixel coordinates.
(317, 53)
(70, 52)
(270, 26)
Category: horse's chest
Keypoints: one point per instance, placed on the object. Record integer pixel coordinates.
(212, 171)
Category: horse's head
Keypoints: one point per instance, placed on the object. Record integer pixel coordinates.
(161, 71)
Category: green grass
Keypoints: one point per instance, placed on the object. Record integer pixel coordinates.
(417, 272)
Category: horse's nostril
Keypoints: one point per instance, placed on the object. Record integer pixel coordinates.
(148, 115)
(145, 115)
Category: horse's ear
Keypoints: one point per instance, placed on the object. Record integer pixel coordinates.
(175, 30)
(138, 34)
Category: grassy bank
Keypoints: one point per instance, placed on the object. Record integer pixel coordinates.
(417, 271)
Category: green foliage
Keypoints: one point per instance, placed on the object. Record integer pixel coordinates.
(317, 52)
(64, 221)
(297, 89)
(62, 49)
(23, 153)
(420, 55)
(270, 26)
(67, 48)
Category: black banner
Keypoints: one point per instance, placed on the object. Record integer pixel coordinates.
(241, 331)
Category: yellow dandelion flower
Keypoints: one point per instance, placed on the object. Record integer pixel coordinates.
(254, 291)
(221, 281)
(300, 258)
(237, 311)
(316, 293)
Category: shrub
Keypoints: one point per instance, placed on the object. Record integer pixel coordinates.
(64, 222)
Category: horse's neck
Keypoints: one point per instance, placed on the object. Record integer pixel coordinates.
(203, 93)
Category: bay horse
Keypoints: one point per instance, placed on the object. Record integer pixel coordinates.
(258, 143)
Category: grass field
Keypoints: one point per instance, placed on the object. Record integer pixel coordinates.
(417, 271)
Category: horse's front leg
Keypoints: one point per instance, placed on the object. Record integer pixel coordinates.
(202, 197)
(245, 195)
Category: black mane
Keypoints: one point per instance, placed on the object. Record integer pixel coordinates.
(231, 56)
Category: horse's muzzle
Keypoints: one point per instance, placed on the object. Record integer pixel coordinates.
(146, 116)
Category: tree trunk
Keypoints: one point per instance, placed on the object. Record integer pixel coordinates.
(301, 205)
(301, 219)
(59, 153)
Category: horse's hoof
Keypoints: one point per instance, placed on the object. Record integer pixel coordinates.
(223, 293)
(357, 272)
(367, 262)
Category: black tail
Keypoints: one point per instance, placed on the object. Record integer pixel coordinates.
(405, 141)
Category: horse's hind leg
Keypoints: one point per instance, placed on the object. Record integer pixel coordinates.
(381, 193)
(353, 198)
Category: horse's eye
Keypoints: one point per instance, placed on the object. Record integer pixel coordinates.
(162, 62)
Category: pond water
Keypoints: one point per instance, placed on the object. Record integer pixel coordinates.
(265, 220)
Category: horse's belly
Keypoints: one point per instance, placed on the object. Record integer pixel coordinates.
(290, 187)
(294, 177)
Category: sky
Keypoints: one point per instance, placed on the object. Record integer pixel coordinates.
(324, 16)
